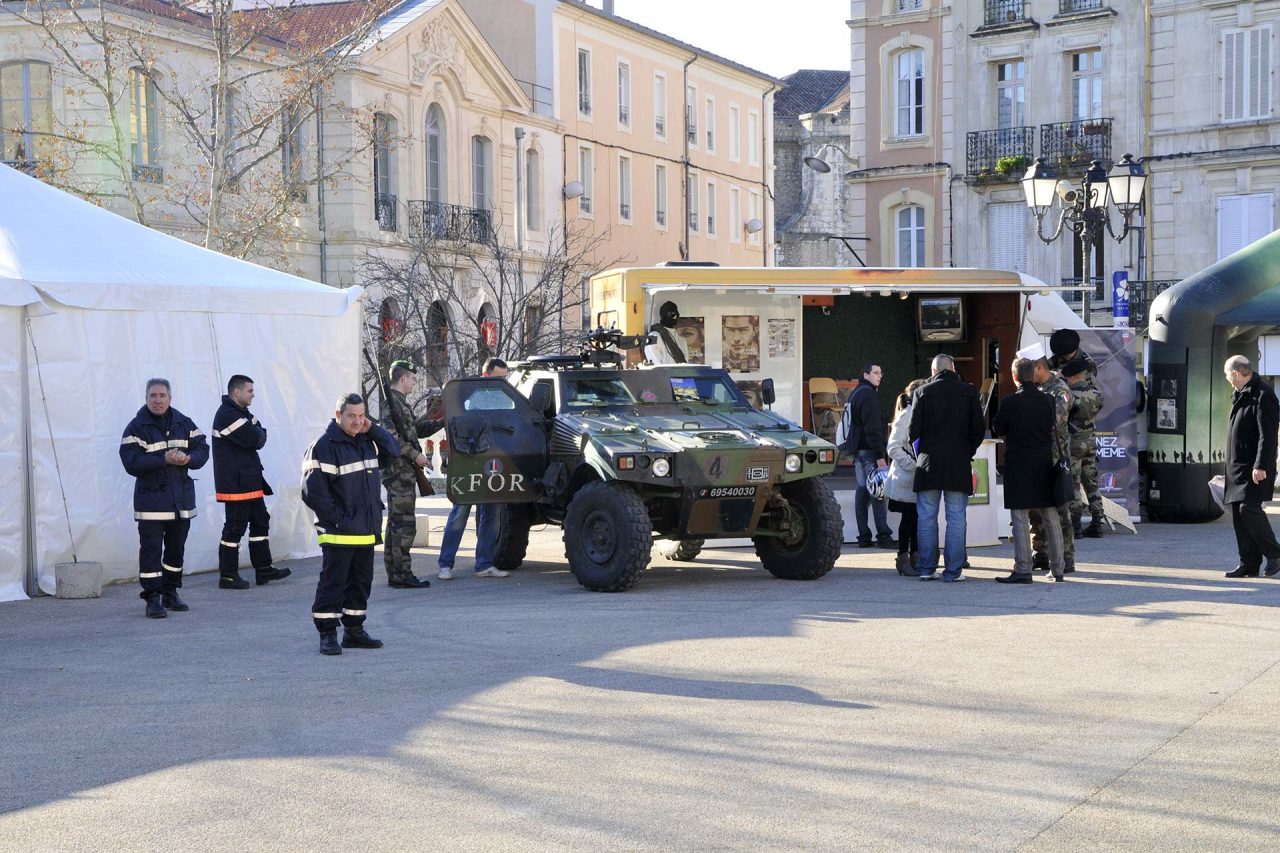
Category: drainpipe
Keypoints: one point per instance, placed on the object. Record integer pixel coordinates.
(1144, 134)
(520, 226)
(684, 202)
(766, 192)
(324, 239)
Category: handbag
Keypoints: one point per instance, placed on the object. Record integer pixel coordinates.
(1064, 481)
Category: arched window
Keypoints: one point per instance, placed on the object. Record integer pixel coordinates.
(436, 163)
(533, 189)
(389, 317)
(436, 356)
(481, 171)
(144, 126)
(384, 171)
(908, 102)
(26, 111)
(487, 344)
(909, 230)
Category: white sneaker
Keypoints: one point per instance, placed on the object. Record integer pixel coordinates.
(492, 572)
(445, 574)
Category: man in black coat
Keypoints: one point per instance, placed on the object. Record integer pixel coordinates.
(947, 421)
(1251, 467)
(866, 442)
(241, 488)
(1026, 421)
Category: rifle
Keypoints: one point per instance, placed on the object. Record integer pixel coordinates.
(419, 475)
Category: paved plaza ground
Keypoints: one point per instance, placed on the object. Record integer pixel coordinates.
(711, 708)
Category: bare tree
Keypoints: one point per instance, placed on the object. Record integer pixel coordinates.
(448, 304)
(251, 138)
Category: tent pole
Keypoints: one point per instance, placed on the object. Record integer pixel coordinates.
(28, 475)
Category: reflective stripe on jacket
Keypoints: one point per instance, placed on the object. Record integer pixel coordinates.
(237, 468)
(340, 484)
(162, 492)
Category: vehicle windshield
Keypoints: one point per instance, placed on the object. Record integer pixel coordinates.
(703, 389)
(598, 392)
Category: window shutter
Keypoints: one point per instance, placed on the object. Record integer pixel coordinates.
(1230, 225)
(1258, 209)
(1007, 226)
(1232, 75)
(1260, 72)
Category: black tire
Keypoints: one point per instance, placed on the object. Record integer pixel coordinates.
(607, 537)
(680, 550)
(814, 553)
(513, 535)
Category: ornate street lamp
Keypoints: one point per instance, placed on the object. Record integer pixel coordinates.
(1084, 210)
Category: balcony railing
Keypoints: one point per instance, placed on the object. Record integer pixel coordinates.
(148, 174)
(1074, 7)
(1001, 154)
(624, 211)
(1070, 146)
(908, 5)
(27, 166)
(624, 114)
(584, 103)
(439, 221)
(384, 211)
(997, 12)
(661, 217)
(1141, 295)
(660, 125)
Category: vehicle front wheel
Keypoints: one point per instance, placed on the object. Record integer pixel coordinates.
(813, 546)
(607, 537)
(681, 550)
(513, 535)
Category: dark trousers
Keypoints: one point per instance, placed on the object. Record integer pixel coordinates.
(253, 515)
(910, 519)
(1254, 536)
(864, 464)
(161, 545)
(342, 595)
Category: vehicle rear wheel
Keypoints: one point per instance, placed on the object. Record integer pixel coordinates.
(513, 535)
(681, 550)
(812, 551)
(607, 537)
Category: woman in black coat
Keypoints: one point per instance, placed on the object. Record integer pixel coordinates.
(1251, 467)
(1026, 420)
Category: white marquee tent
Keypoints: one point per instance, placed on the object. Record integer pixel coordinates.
(91, 306)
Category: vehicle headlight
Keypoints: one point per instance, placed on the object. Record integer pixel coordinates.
(793, 463)
(661, 467)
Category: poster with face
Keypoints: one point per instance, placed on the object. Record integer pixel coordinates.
(740, 342)
(692, 330)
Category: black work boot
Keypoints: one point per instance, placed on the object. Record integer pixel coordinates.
(358, 638)
(1093, 531)
(329, 643)
(232, 581)
(1040, 562)
(172, 601)
(270, 573)
(1068, 566)
(154, 609)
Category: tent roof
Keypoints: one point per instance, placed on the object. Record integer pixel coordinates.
(58, 249)
(1261, 310)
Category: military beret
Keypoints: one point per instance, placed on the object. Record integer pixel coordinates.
(1064, 342)
(1075, 367)
(404, 365)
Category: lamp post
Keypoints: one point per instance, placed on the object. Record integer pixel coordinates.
(1084, 210)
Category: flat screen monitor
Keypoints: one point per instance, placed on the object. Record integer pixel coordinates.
(940, 319)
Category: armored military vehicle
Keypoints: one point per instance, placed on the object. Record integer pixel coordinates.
(619, 457)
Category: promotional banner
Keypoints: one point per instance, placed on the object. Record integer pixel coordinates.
(1120, 298)
(1116, 430)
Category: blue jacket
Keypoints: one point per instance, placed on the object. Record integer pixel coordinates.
(237, 469)
(162, 492)
(340, 483)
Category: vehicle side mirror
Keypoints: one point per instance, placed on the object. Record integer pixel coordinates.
(767, 393)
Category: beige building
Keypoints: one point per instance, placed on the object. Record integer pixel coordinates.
(667, 148)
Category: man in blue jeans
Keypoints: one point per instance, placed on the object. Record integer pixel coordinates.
(486, 520)
(865, 441)
(947, 421)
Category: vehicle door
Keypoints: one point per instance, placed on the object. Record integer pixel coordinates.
(497, 443)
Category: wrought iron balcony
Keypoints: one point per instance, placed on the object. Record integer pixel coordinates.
(624, 114)
(999, 12)
(624, 211)
(661, 217)
(1070, 146)
(908, 5)
(1075, 7)
(438, 221)
(1141, 295)
(148, 174)
(999, 155)
(660, 125)
(384, 211)
(26, 166)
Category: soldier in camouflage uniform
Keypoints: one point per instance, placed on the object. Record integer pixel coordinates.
(399, 479)
(1052, 384)
(1086, 402)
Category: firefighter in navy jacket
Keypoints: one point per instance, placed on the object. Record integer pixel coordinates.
(159, 446)
(240, 487)
(341, 485)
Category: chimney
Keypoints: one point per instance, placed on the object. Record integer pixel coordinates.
(608, 7)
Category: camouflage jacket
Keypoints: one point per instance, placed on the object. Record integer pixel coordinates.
(398, 414)
(1056, 387)
(1086, 402)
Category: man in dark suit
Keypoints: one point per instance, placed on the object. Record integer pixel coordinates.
(1026, 421)
(947, 420)
(1251, 467)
